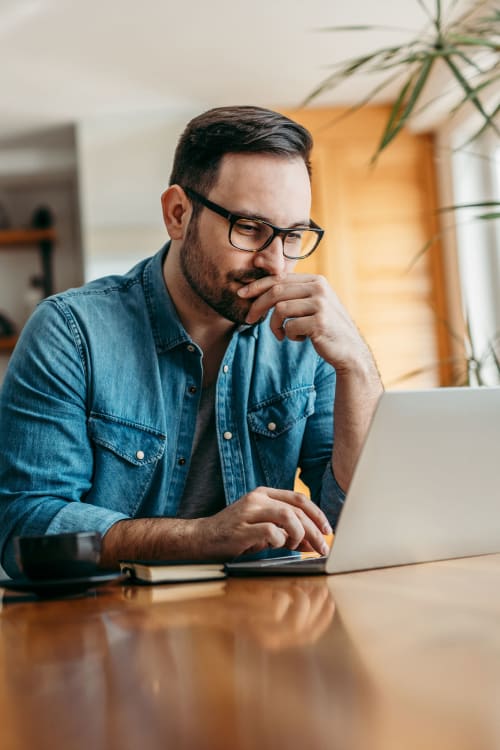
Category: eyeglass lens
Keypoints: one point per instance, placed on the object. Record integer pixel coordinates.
(252, 235)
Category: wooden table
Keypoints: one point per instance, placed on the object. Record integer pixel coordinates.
(400, 659)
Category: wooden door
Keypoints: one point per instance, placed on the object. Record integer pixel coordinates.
(377, 218)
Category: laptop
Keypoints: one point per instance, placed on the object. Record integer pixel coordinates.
(426, 486)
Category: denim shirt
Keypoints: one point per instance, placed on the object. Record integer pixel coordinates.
(99, 404)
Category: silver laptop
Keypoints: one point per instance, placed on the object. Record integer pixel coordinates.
(426, 486)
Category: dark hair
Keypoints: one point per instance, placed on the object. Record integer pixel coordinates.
(234, 130)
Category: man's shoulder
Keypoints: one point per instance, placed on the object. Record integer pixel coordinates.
(103, 286)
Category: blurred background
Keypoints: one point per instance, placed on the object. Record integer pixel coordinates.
(94, 96)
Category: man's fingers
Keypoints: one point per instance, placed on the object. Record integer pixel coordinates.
(283, 516)
(295, 329)
(301, 501)
(286, 312)
(285, 509)
(312, 534)
(259, 286)
(263, 536)
(298, 524)
(279, 292)
(269, 518)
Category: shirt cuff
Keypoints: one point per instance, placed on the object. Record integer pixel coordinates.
(74, 517)
(82, 517)
(332, 496)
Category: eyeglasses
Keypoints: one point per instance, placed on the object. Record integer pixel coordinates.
(252, 235)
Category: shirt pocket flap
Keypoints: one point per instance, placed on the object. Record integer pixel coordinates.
(136, 444)
(275, 416)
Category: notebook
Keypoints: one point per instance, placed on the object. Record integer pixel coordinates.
(426, 486)
(161, 571)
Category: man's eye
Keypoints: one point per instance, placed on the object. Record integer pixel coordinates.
(294, 237)
(248, 227)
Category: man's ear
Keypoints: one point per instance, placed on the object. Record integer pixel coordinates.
(177, 210)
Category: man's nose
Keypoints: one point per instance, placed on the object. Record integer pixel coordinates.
(271, 259)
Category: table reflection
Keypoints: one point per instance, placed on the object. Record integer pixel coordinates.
(277, 614)
(407, 657)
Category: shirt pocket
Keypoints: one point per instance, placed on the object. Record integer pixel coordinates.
(277, 426)
(125, 458)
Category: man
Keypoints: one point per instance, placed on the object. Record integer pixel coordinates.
(170, 408)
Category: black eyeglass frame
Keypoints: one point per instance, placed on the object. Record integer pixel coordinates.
(276, 231)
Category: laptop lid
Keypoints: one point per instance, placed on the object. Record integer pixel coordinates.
(427, 483)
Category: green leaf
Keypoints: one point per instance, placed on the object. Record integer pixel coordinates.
(486, 23)
(460, 21)
(471, 41)
(396, 120)
(471, 63)
(363, 102)
(495, 349)
(426, 10)
(398, 104)
(435, 238)
(343, 72)
(488, 217)
(477, 29)
(476, 90)
(479, 132)
(361, 27)
(480, 204)
(336, 78)
(419, 57)
(470, 91)
(454, 110)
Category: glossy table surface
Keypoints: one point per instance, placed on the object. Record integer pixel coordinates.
(401, 658)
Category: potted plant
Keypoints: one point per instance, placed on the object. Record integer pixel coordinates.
(468, 46)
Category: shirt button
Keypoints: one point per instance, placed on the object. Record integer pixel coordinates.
(139, 455)
(181, 461)
(192, 389)
(225, 369)
(228, 435)
(190, 348)
(271, 426)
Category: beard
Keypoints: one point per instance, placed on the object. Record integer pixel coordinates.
(217, 290)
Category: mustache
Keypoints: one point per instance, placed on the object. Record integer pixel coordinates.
(245, 277)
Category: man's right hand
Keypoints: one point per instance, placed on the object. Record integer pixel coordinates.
(262, 519)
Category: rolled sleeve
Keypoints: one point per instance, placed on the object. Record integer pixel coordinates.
(332, 496)
(46, 462)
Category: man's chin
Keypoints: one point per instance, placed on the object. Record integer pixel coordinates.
(241, 320)
(235, 310)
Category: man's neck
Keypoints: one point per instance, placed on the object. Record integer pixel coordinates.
(206, 328)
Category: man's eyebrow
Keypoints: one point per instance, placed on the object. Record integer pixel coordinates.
(250, 215)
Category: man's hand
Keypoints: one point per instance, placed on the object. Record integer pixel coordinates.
(305, 306)
(264, 518)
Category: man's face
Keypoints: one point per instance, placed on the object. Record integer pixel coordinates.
(259, 185)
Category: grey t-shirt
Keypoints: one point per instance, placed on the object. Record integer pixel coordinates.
(204, 490)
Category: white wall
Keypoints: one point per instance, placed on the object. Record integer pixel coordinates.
(124, 164)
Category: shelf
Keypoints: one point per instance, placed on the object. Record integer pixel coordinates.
(7, 344)
(26, 237)
(43, 240)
